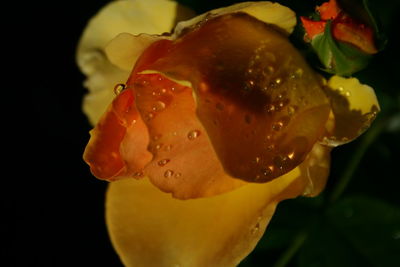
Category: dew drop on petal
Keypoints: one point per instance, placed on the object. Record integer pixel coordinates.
(158, 106)
(118, 88)
(193, 134)
(168, 173)
(163, 162)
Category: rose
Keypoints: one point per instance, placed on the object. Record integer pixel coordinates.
(174, 121)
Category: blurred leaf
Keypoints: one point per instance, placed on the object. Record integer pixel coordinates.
(355, 231)
(371, 226)
(324, 247)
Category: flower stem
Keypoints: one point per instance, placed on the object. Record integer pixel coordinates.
(355, 160)
(297, 242)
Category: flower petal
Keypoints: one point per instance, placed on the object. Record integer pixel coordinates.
(149, 228)
(265, 11)
(315, 168)
(262, 106)
(104, 154)
(184, 161)
(135, 17)
(354, 108)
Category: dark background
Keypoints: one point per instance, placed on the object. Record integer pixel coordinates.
(54, 208)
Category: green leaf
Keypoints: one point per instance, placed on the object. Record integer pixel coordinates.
(371, 226)
(355, 231)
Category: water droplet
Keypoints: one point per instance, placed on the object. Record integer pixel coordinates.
(268, 170)
(158, 147)
(340, 89)
(168, 173)
(270, 147)
(163, 162)
(257, 160)
(138, 174)
(118, 88)
(270, 108)
(255, 229)
(291, 155)
(193, 134)
(177, 175)
(278, 81)
(247, 118)
(297, 74)
(149, 116)
(219, 106)
(347, 93)
(250, 70)
(158, 106)
(291, 110)
(270, 69)
(277, 126)
(156, 137)
(168, 148)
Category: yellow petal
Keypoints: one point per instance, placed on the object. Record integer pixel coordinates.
(125, 49)
(265, 11)
(315, 169)
(354, 108)
(135, 17)
(150, 228)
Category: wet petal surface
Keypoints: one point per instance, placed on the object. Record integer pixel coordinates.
(150, 228)
(258, 100)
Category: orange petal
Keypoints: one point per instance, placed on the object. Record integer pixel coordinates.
(360, 35)
(150, 228)
(103, 152)
(256, 96)
(184, 161)
(313, 28)
(328, 10)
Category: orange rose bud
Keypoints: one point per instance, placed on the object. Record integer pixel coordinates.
(348, 30)
(328, 10)
(312, 28)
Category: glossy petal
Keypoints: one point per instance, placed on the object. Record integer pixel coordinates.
(115, 18)
(184, 162)
(265, 11)
(256, 97)
(149, 228)
(354, 108)
(104, 153)
(315, 169)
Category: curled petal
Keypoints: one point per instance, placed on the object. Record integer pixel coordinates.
(265, 11)
(354, 108)
(315, 168)
(149, 228)
(184, 161)
(115, 18)
(259, 102)
(104, 153)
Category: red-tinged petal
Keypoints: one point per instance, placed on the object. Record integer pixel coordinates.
(313, 28)
(328, 10)
(103, 152)
(184, 161)
(260, 103)
(360, 35)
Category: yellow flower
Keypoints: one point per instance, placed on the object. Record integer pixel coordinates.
(223, 113)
